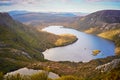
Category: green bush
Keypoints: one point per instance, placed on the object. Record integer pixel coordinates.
(69, 78)
(39, 76)
(1, 76)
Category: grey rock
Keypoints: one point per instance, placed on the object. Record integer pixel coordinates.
(108, 66)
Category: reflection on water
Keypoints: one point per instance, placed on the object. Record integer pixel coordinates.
(81, 50)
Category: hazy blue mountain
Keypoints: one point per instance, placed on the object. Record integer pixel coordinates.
(16, 12)
(45, 19)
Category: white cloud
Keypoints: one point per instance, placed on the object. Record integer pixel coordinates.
(103, 0)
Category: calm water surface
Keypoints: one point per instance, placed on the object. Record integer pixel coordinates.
(81, 50)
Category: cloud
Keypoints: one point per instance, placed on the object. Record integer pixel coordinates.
(5, 3)
(14, 2)
(23, 4)
(44, 2)
(103, 0)
(31, 1)
(5, 0)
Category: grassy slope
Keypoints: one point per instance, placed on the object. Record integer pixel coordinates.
(65, 40)
(113, 35)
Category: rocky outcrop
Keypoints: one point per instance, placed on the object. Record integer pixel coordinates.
(111, 26)
(2, 44)
(28, 72)
(109, 66)
(19, 52)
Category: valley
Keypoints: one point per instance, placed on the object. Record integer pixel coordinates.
(22, 43)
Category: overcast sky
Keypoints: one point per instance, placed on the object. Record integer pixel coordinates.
(86, 6)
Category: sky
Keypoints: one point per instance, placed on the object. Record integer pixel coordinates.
(86, 6)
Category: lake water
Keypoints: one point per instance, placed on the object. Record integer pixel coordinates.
(81, 50)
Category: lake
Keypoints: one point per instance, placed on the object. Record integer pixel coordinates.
(81, 50)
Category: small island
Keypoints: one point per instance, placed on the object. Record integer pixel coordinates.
(95, 52)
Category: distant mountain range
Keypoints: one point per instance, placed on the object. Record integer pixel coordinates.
(17, 12)
(41, 19)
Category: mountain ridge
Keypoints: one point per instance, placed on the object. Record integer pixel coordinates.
(99, 19)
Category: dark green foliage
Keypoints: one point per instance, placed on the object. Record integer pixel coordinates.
(8, 64)
(1, 76)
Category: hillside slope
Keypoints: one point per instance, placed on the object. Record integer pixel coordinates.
(104, 20)
(20, 43)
